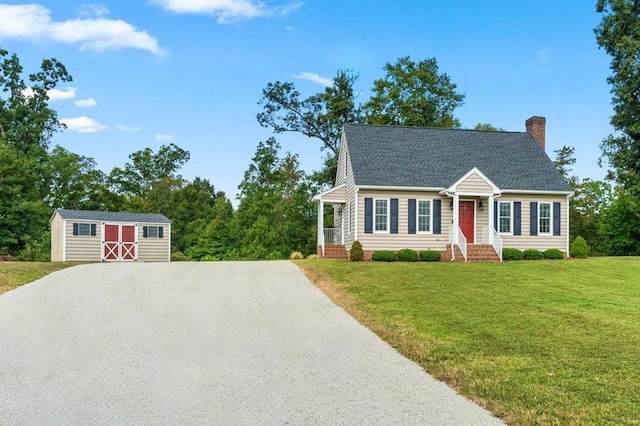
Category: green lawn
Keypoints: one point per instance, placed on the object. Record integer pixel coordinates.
(15, 274)
(536, 342)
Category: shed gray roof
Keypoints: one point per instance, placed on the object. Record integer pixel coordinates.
(113, 216)
(437, 158)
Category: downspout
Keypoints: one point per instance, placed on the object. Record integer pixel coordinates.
(355, 236)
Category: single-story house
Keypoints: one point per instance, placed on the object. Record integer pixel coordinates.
(94, 236)
(465, 193)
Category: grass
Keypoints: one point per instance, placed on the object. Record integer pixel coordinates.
(15, 274)
(535, 342)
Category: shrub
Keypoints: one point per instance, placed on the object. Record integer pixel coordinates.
(553, 254)
(356, 253)
(533, 254)
(312, 257)
(296, 255)
(383, 256)
(6, 258)
(430, 255)
(178, 256)
(579, 248)
(407, 255)
(512, 254)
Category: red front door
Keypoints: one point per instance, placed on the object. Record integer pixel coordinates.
(467, 220)
(128, 242)
(111, 245)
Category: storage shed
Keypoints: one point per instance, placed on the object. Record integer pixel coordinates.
(94, 236)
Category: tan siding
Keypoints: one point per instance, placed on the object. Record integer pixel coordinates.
(541, 242)
(474, 184)
(83, 248)
(343, 159)
(403, 239)
(57, 238)
(153, 249)
(350, 198)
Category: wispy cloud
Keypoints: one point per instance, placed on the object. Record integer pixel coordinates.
(164, 138)
(327, 82)
(54, 94)
(92, 10)
(33, 23)
(127, 128)
(83, 124)
(543, 56)
(85, 103)
(227, 10)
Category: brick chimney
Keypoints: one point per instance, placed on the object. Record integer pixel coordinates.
(535, 127)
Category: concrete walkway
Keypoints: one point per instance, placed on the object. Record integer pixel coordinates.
(203, 343)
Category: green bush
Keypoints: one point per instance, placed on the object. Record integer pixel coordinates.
(579, 248)
(553, 254)
(533, 254)
(356, 253)
(296, 255)
(512, 254)
(178, 256)
(430, 255)
(407, 255)
(383, 256)
(312, 257)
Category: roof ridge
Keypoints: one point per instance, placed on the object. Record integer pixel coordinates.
(402, 126)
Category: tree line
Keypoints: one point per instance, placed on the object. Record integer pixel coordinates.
(275, 214)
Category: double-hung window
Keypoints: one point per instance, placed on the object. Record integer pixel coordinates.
(505, 217)
(152, 232)
(381, 218)
(424, 216)
(544, 218)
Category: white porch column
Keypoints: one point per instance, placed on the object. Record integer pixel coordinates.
(321, 225)
(491, 217)
(342, 219)
(456, 222)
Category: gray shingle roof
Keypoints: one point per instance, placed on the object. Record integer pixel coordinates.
(113, 216)
(431, 157)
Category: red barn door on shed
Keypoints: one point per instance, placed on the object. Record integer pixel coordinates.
(111, 243)
(128, 239)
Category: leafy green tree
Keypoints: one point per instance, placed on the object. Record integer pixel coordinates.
(564, 159)
(488, 127)
(189, 209)
(587, 213)
(413, 94)
(620, 224)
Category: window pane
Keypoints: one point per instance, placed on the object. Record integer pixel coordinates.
(381, 215)
(545, 218)
(505, 210)
(505, 224)
(153, 232)
(84, 229)
(504, 213)
(424, 216)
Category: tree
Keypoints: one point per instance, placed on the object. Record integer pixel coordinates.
(488, 127)
(619, 35)
(564, 159)
(147, 169)
(413, 94)
(587, 210)
(620, 224)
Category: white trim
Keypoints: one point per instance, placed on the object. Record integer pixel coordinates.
(430, 231)
(510, 217)
(568, 229)
(64, 239)
(399, 188)
(550, 233)
(476, 194)
(493, 186)
(388, 230)
(526, 191)
(317, 197)
(356, 213)
(169, 249)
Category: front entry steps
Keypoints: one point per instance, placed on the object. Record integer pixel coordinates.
(475, 253)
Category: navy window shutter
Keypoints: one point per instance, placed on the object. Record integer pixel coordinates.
(160, 232)
(437, 219)
(368, 215)
(556, 218)
(517, 218)
(533, 215)
(145, 231)
(495, 216)
(394, 216)
(75, 229)
(93, 229)
(412, 216)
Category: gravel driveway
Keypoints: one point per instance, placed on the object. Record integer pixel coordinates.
(203, 343)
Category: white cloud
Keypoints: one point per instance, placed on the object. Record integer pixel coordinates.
(68, 93)
(92, 10)
(33, 23)
(315, 78)
(226, 10)
(85, 103)
(83, 124)
(127, 128)
(164, 138)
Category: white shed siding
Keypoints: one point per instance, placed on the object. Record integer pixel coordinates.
(80, 248)
(403, 239)
(57, 238)
(474, 184)
(154, 249)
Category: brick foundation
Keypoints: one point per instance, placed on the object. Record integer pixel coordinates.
(332, 251)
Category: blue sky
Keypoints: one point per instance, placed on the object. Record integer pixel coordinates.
(191, 72)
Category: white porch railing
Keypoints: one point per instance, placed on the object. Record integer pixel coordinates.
(333, 236)
(457, 238)
(497, 243)
(462, 243)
